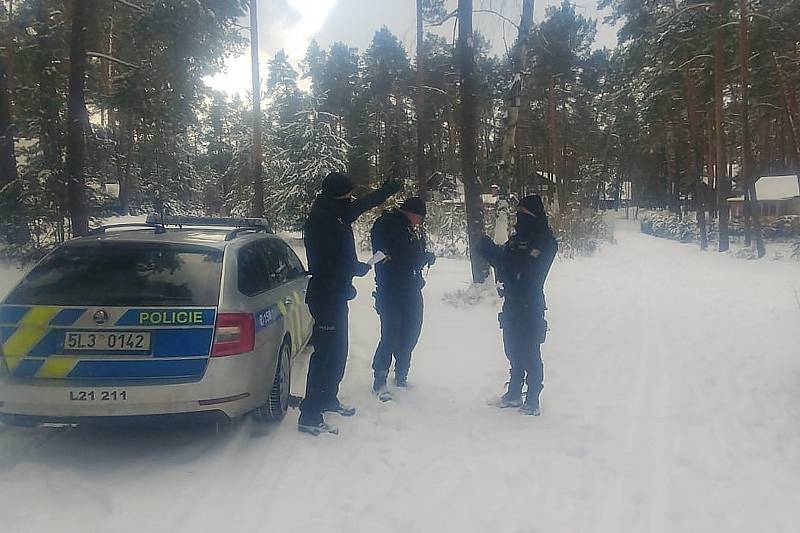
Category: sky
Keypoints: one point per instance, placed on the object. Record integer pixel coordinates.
(292, 24)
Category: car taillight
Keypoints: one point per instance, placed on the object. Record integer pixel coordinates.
(235, 333)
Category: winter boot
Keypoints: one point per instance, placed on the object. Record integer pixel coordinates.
(340, 408)
(379, 381)
(379, 387)
(317, 429)
(531, 406)
(531, 409)
(513, 396)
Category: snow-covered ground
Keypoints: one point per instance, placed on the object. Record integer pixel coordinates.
(672, 404)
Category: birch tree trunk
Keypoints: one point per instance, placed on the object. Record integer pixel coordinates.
(258, 154)
(510, 151)
(422, 123)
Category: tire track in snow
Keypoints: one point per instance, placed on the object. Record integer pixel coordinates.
(643, 475)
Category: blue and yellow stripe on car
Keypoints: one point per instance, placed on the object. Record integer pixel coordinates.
(31, 338)
(26, 334)
(294, 321)
(290, 314)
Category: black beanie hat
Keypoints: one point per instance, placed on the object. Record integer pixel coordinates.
(533, 203)
(336, 185)
(415, 205)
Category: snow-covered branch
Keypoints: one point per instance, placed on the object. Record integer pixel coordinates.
(113, 59)
(772, 20)
(131, 5)
(695, 58)
(680, 12)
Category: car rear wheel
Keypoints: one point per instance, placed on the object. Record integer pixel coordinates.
(278, 402)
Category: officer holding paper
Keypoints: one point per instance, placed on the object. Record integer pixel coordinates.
(398, 235)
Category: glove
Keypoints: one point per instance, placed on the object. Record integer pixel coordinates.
(360, 269)
(391, 187)
(430, 258)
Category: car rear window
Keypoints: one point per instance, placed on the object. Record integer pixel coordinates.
(124, 274)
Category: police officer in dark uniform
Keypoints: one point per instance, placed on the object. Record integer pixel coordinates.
(398, 297)
(333, 263)
(522, 266)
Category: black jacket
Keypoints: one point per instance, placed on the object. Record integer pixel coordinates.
(521, 269)
(405, 248)
(330, 245)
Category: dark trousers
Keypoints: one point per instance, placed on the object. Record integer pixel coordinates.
(523, 333)
(401, 324)
(327, 365)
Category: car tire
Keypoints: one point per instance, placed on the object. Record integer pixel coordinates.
(278, 401)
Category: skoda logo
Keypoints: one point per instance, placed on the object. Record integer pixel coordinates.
(100, 317)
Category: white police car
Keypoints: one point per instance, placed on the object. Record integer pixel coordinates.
(180, 315)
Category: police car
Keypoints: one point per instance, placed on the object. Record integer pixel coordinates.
(178, 315)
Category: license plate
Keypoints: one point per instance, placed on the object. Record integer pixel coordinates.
(117, 341)
(117, 395)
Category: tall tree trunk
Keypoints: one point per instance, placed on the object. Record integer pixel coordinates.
(696, 155)
(258, 154)
(124, 161)
(751, 199)
(672, 170)
(510, 151)
(106, 72)
(468, 125)
(8, 160)
(792, 115)
(49, 136)
(723, 181)
(764, 145)
(422, 122)
(555, 147)
(77, 117)
(712, 167)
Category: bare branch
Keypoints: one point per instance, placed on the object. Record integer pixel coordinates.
(445, 19)
(131, 5)
(788, 58)
(113, 59)
(500, 15)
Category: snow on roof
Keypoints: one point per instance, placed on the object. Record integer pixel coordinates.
(777, 187)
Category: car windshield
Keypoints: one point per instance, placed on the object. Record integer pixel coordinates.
(124, 274)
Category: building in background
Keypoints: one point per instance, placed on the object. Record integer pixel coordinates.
(777, 196)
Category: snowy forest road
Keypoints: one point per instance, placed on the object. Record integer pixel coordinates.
(672, 404)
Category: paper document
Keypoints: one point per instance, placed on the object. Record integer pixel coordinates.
(377, 258)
